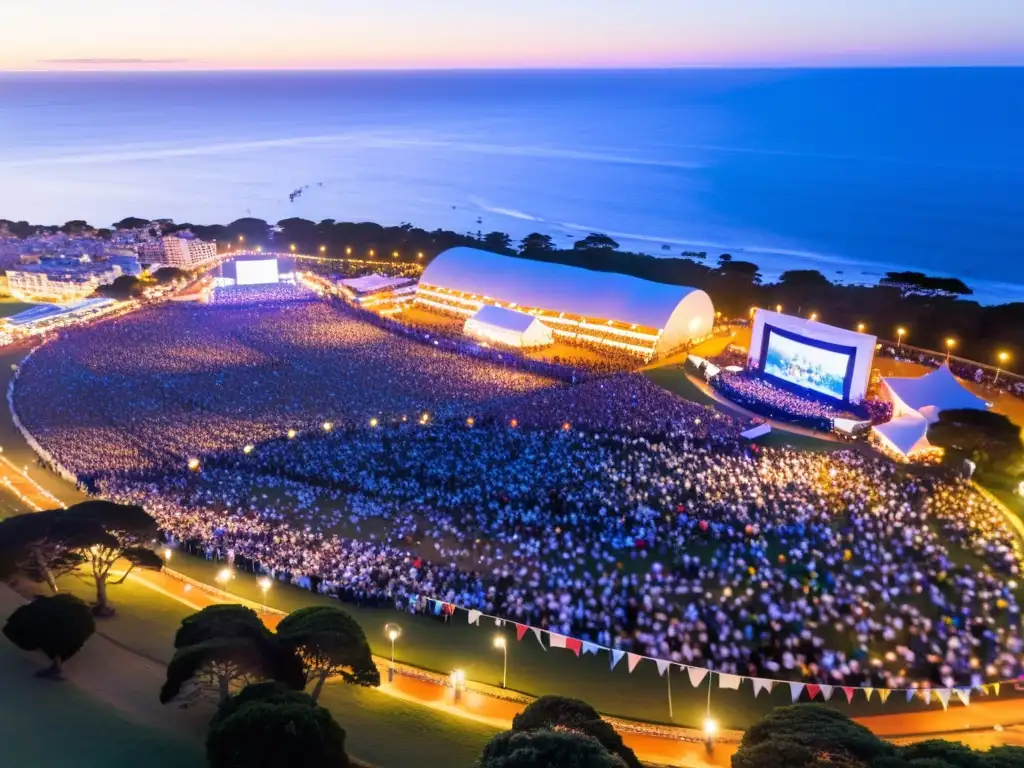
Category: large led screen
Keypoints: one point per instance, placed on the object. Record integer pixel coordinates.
(807, 365)
(256, 272)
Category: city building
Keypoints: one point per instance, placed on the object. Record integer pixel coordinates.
(60, 280)
(177, 251)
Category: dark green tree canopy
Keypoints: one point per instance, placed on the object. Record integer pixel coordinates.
(920, 284)
(803, 278)
(131, 222)
(546, 749)
(595, 241)
(987, 438)
(329, 642)
(575, 715)
(536, 243)
(276, 731)
(57, 625)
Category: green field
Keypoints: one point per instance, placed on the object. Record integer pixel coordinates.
(10, 306)
(60, 726)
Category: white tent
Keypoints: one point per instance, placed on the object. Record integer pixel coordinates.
(905, 434)
(508, 327)
(931, 394)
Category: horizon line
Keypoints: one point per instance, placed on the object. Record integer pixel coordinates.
(471, 69)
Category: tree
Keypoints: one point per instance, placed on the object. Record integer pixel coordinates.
(57, 625)
(498, 242)
(803, 278)
(131, 222)
(330, 643)
(30, 545)
(920, 284)
(989, 439)
(123, 287)
(535, 242)
(274, 730)
(101, 533)
(546, 749)
(725, 258)
(808, 736)
(74, 227)
(169, 275)
(573, 715)
(596, 242)
(741, 270)
(223, 647)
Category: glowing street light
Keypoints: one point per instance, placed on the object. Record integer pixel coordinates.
(950, 343)
(814, 316)
(348, 251)
(292, 247)
(710, 729)
(470, 421)
(860, 327)
(291, 434)
(499, 642)
(424, 418)
(394, 254)
(900, 333)
(241, 238)
(1003, 357)
(265, 583)
(323, 249)
(374, 422)
(248, 449)
(458, 683)
(193, 464)
(167, 554)
(778, 308)
(224, 575)
(328, 426)
(372, 253)
(419, 256)
(752, 311)
(393, 632)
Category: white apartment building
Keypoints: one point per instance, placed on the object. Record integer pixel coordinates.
(181, 252)
(60, 280)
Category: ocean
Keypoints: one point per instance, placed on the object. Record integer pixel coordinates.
(851, 172)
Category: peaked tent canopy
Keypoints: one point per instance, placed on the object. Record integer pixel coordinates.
(506, 326)
(905, 434)
(931, 394)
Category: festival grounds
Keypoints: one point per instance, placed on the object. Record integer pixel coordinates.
(260, 416)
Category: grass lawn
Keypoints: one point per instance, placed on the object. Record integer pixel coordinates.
(60, 726)
(10, 306)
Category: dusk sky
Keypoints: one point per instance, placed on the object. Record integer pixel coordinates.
(273, 34)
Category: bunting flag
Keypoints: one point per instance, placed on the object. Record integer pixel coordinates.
(732, 682)
(926, 695)
(449, 609)
(883, 694)
(520, 630)
(849, 694)
(616, 656)
(813, 690)
(574, 645)
(943, 695)
(499, 622)
(662, 666)
(474, 617)
(964, 694)
(556, 641)
(437, 608)
(539, 634)
(867, 693)
(632, 659)
(826, 692)
(590, 648)
(696, 675)
(795, 689)
(995, 687)
(760, 684)
(910, 694)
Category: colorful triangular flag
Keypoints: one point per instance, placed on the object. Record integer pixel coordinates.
(813, 690)
(926, 695)
(590, 648)
(867, 693)
(474, 617)
(964, 694)
(760, 684)
(696, 675)
(616, 656)
(556, 641)
(662, 665)
(910, 694)
(574, 645)
(826, 692)
(520, 630)
(943, 696)
(539, 634)
(849, 694)
(795, 689)
(883, 694)
(632, 659)
(995, 688)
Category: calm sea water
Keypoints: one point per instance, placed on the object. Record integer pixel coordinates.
(846, 171)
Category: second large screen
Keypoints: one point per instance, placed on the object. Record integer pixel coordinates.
(256, 272)
(806, 365)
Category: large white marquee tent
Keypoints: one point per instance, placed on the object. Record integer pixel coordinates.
(508, 327)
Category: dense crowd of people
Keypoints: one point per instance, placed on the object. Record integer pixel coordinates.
(607, 510)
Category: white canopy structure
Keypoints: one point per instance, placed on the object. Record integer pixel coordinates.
(595, 307)
(508, 327)
(374, 283)
(930, 394)
(905, 434)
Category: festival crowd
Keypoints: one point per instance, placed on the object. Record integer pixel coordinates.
(608, 510)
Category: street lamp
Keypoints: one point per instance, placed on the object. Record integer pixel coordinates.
(499, 642)
(458, 684)
(372, 253)
(224, 575)
(291, 434)
(167, 554)
(292, 247)
(328, 426)
(265, 584)
(393, 632)
(860, 327)
(419, 256)
(323, 249)
(348, 251)
(710, 729)
(1002, 357)
(193, 464)
(900, 333)
(814, 316)
(778, 308)
(950, 343)
(248, 449)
